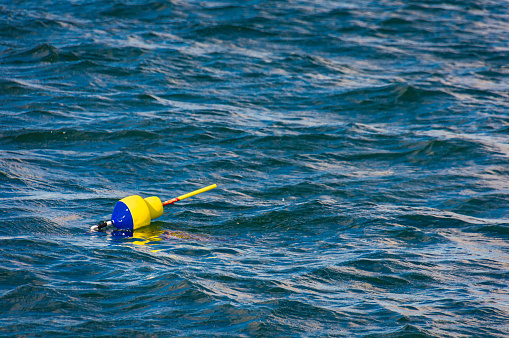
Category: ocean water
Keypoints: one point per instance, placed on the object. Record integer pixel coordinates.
(360, 148)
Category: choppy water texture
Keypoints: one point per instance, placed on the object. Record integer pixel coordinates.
(361, 152)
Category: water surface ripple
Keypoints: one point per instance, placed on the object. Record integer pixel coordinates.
(361, 149)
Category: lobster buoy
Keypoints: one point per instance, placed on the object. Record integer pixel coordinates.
(134, 212)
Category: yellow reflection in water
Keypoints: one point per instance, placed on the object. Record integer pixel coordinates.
(147, 235)
(155, 233)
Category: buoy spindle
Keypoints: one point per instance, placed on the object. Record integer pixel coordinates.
(196, 192)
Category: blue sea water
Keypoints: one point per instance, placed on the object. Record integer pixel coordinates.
(360, 148)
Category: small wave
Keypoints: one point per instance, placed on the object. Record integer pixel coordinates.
(414, 236)
(315, 64)
(151, 11)
(333, 15)
(436, 152)
(12, 31)
(500, 229)
(232, 31)
(298, 309)
(55, 137)
(407, 331)
(45, 114)
(49, 136)
(42, 53)
(416, 219)
(19, 277)
(108, 52)
(36, 298)
(376, 273)
(483, 204)
(13, 87)
(395, 22)
(390, 95)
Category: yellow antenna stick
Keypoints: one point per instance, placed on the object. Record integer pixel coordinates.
(196, 192)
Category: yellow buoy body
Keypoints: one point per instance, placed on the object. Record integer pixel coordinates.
(155, 206)
(134, 212)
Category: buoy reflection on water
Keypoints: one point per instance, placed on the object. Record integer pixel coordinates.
(155, 233)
